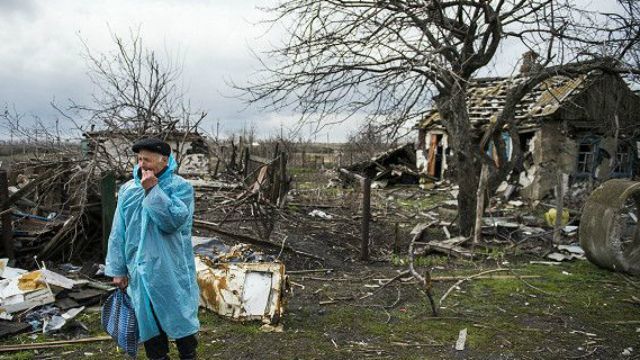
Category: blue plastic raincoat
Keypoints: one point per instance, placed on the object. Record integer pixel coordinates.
(150, 242)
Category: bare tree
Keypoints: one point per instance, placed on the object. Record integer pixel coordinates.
(394, 59)
(366, 142)
(137, 95)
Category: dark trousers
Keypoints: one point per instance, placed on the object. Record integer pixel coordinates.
(157, 347)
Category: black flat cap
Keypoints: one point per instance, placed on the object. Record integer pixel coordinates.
(152, 144)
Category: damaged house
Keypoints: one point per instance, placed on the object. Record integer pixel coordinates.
(189, 148)
(587, 127)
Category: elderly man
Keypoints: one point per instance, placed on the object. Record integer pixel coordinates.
(150, 253)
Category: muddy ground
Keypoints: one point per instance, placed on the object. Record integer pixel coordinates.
(572, 310)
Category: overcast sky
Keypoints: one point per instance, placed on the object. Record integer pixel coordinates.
(41, 53)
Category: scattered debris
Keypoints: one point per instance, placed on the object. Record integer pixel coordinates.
(51, 300)
(567, 252)
(396, 166)
(51, 344)
(449, 247)
(462, 339)
(321, 214)
(233, 287)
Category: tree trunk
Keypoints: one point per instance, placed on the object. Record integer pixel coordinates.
(465, 153)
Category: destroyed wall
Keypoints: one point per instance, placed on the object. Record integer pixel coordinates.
(551, 152)
(597, 112)
(431, 153)
(191, 151)
(595, 109)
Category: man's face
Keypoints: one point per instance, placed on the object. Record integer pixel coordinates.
(149, 160)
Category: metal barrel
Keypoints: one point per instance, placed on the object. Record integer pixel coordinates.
(609, 231)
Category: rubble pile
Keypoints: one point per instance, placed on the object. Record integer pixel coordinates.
(46, 301)
(55, 211)
(396, 166)
(214, 251)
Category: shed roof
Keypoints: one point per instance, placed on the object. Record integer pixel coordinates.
(487, 97)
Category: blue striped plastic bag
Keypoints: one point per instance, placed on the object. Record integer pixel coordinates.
(119, 321)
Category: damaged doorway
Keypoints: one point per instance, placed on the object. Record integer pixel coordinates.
(435, 159)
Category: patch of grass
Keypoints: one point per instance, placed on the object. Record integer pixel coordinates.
(299, 170)
(420, 261)
(418, 203)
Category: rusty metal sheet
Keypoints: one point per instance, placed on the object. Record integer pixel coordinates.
(243, 291)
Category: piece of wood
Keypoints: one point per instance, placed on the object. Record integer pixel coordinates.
(485, 277)
(284, 181)
(557, 234)
(7, 211)
(213, 227)
(35, 298)
(471, 277)
(49, 247)
(7, 225)
(482, 189)
(109, 202)
(51, 344)
(308, 271)
(46, 176)
(462, 339)
(426, 279)
(431, 157)
(55, 279)
(10, 328)
(396, 243)
(366, 218)
(449, 249)
(245, 160)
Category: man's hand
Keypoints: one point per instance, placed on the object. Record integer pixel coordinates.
(121, 282)
(149, 179)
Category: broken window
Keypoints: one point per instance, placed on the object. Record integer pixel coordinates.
(492, 151)
(624, 161)
(586, 156)
(525, 141)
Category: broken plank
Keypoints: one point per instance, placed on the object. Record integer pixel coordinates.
(32, 299)
(52, 344)
(308, 271)
(448, 249)
(215, 228)
(9, 328)
(485, 277)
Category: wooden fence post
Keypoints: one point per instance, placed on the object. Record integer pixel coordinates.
(245, 160)
(7, 226)
(559, 193)
(366, 218)
(109, 203)
(396, 243)
(482, 188)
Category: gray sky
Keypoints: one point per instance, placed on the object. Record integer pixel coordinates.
(40, 52)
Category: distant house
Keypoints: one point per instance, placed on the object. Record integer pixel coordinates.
(190, 149)
(587, 127)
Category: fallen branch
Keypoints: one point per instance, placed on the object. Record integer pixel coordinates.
(307, 271)
(425, 280)
(522, 278)
(467, 279)
(487, 277)
(404, 273)
(46, 176)
(213, 227)
(51, 344)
